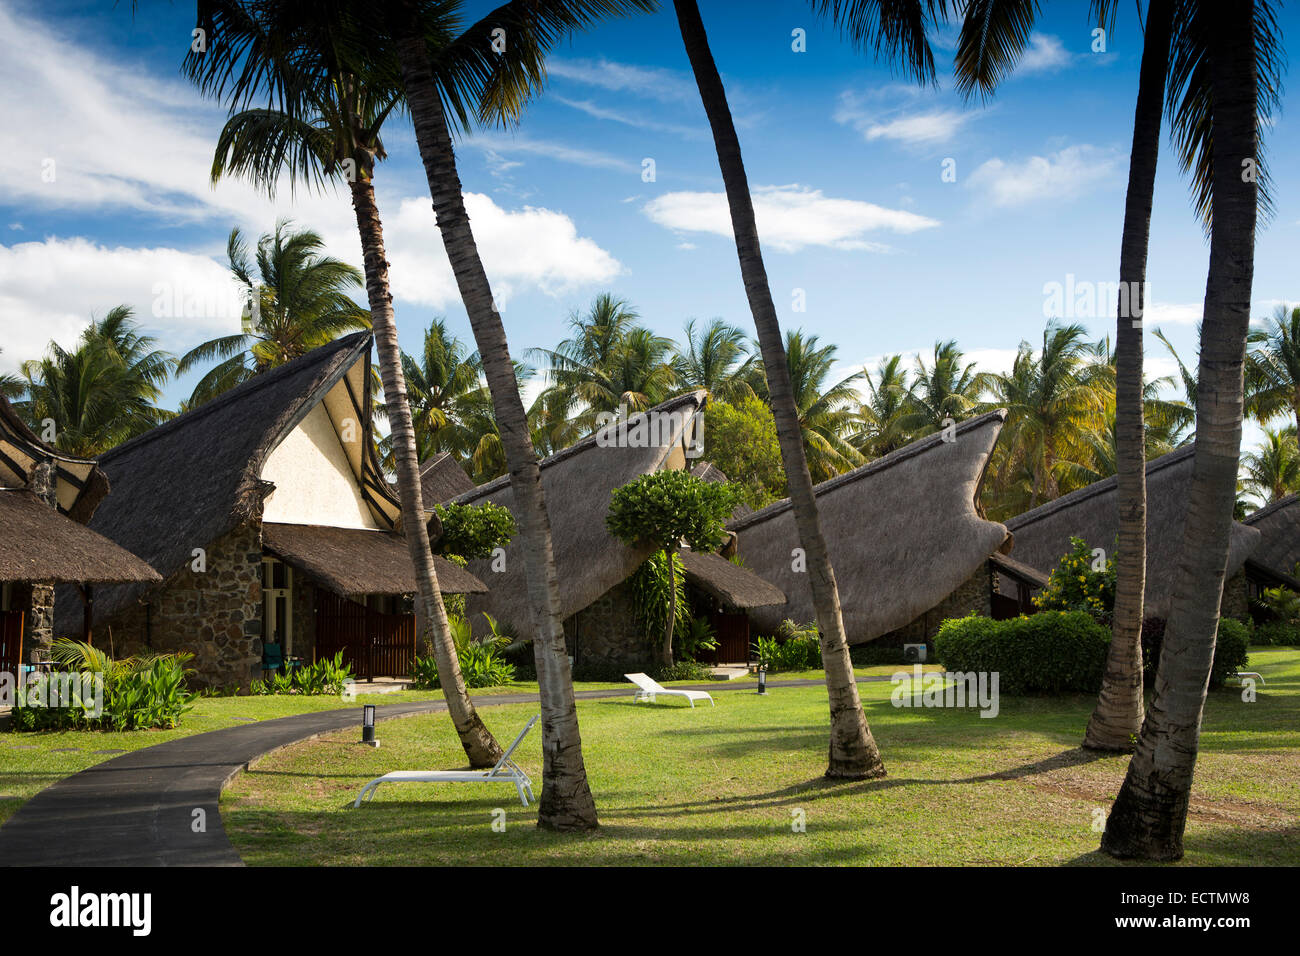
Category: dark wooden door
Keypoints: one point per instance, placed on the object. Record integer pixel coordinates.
(11, 641)
(733, 638)
(375, 644)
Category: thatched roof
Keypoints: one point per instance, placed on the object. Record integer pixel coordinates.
(903, 531)
(578, 482)
(1042, 536)
(711, 472)
(1279, 528)
(81, 485)
(194, 479)
(442, 478)
(354, 562)
(729, 583)
(39, 545)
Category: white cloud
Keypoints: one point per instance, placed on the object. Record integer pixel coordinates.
(49, 289)
(1045, 52)
(597, 111)
(883, 114)
(789, 217)
(500, 145)
(1172, 313)
(667, 86)
(1062, 174)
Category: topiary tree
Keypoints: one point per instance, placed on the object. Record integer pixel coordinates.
(473, 532)
(664, 509)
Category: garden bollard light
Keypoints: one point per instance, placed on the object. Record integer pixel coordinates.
(762, 679)
(368, 725)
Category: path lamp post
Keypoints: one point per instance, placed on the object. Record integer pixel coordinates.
(368, 725)
(762, 679)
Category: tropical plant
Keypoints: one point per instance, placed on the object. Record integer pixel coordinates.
(1078, 584)
(663, 509)
(102, 392)
(945, 390)
(441, 385)
(1273, 469)
(657, 593)
(715, 358)
(882, 416)
(473, 532)
(740, 440)
(1274, 366)
(481, 661)
(296, 298)
(697, 636)
(332, 102)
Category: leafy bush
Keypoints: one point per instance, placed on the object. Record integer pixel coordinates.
(651, 596)
(1051, 652)
(1230, 649)
(1275, 632)
(794, 647)
(139, 693)
(473, 531)
(323, 678)
(682, 670)
(696, 636)
(1075, 585)
(482, 662)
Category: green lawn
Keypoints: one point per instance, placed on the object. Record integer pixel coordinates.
(724, 785)
(31, 762)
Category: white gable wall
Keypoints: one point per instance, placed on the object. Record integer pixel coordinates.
(314, 483)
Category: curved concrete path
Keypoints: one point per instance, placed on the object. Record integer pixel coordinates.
(139, 809)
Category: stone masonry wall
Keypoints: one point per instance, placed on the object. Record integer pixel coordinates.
(607, 634)
(37, 601)
(216, 615)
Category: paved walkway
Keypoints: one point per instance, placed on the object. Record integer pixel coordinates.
(139, 809)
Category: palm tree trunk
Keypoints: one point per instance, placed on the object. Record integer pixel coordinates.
(480, 746)
(1150, 812)
(667, 654)
(566, 802)
(853, 751)
(1118, 716)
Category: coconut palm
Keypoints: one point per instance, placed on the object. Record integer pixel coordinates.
(947, 389)
(898, 28)
(716, 360)
(1274, 368)
(882, 416)
(11, 386)
(1215, 49)
(295, 299)
(102, 392)
(1273, 470)
(511, 76)
(323, 127)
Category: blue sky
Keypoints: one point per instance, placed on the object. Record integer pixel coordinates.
(846, 161)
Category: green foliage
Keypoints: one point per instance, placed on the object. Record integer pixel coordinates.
(474, 531)
(1280, 604)
(1282, 633)
(1052, 652)
(1230, 651)
(740, 439)
(482, 661)
(140, 693)
(682, 670)
(323, 678)
(794, 647)
(651, 595)
(696, 636)
(663, 507)
(1075, 586)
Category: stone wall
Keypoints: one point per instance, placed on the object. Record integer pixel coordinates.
(36, 601)
(216, 614)
(1236, 597)
(971, 595)
(606, 634)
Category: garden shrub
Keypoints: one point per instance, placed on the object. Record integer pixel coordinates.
(794, 647)
(1076, 585)
(323, 678)
(682, 670)
(1230, 649)
(1052, 652)
(482, 662)
(1275, 633)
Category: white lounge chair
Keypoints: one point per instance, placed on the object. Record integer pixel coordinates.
(505, 771)
(649, 689)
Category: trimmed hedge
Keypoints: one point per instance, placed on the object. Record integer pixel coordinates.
(1054, 652)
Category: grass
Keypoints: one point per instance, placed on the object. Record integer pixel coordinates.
(30, 762)
(725, 785)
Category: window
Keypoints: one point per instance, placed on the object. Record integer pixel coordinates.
(277, 604)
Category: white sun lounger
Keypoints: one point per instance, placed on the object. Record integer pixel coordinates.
(505, 771)
(649, 689)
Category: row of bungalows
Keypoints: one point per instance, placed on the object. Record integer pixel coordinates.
(46, 498)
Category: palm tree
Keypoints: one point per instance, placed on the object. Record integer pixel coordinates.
(11, 386)
(1052, 399)
(296, 300)
(901, 27)
(326, 128)
(1215, 49)
(1273, 471)
(716, 360)
(102, 392)
(511, 77)
(948, 389)
(1275, 366)
(438, 384)
(882, 415)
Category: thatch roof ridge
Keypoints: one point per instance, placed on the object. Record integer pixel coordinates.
(194, 479)
(730, 583)
(1278, 525)
(443, 479)
(903, 533)
(918, 447)
(1154, 467)
(1271, 509)
(698, 397)
(40, 545)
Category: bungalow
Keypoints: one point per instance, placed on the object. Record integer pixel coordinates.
(908, 541)
(1092, 514)
(1274, 563)
(267, 514)
(593, 566)
(45, 498)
